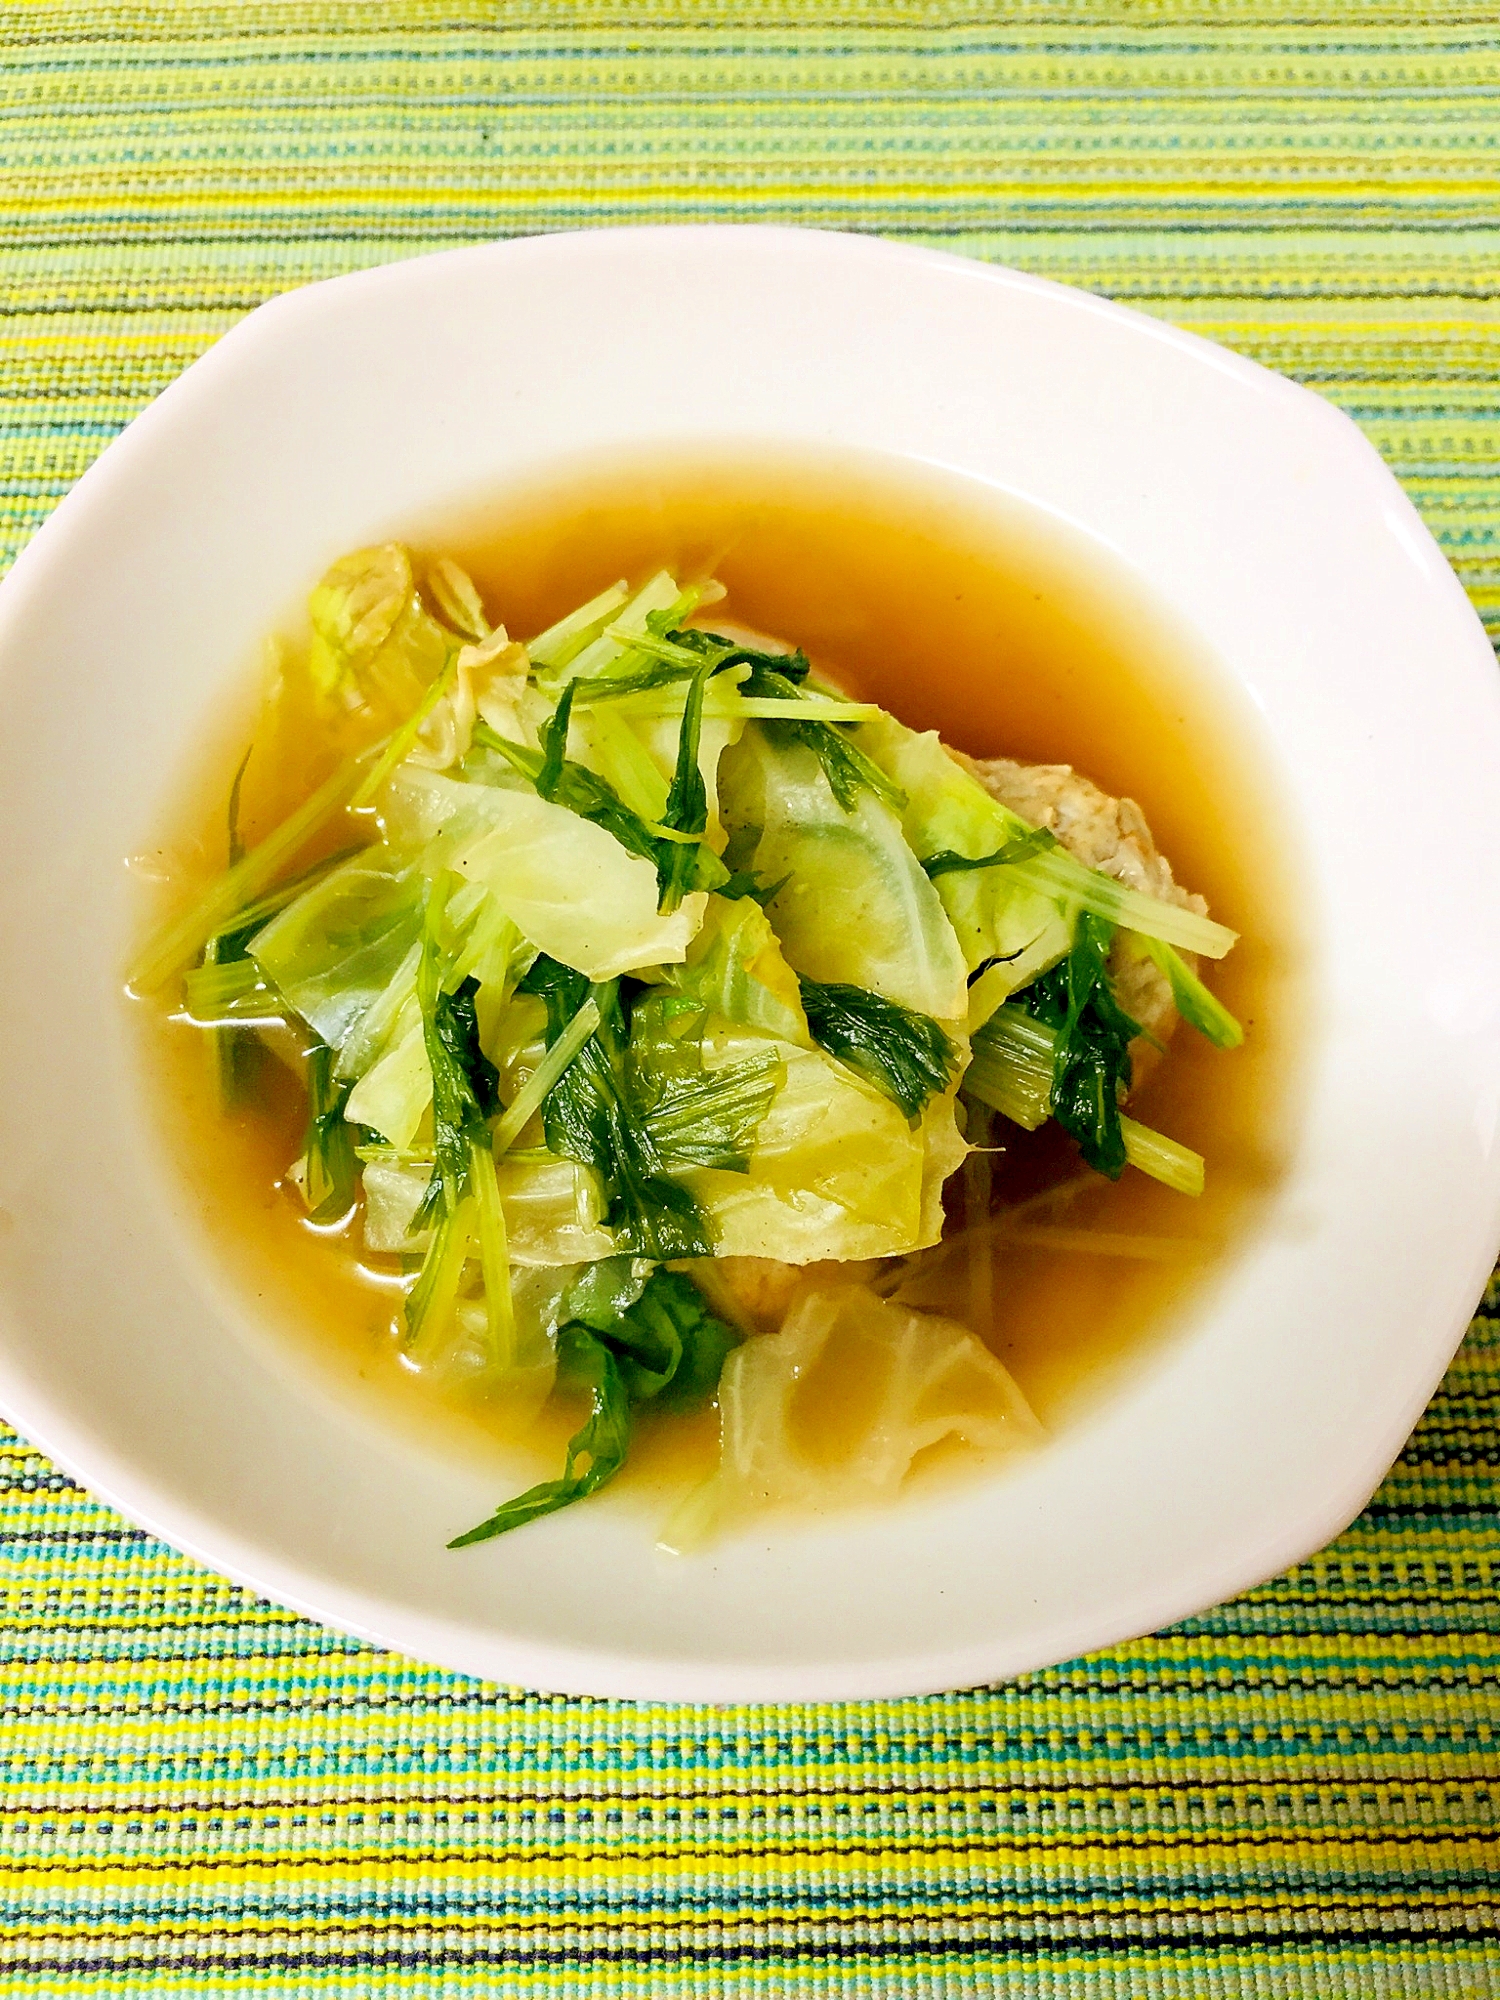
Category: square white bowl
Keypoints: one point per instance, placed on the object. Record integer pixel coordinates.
(1252, 509)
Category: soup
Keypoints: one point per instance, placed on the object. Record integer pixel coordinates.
(958, 612)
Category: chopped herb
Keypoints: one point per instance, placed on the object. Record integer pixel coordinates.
(903, 1053)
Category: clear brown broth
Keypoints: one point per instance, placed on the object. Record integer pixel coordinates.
(958, 611)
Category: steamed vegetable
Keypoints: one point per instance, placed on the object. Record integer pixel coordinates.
(632, 951)
(903, 1053)
(921, 1381)
(854, 907)
(949, 814)
(1014, 1070)
(634, 1335)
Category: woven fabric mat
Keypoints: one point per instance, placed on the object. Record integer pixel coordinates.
(1292, 1795)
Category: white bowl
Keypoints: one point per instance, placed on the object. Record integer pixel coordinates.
(1252, 509)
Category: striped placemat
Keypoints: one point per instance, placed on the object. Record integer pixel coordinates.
(1294, 1795)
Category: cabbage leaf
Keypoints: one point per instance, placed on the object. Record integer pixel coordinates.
(853, 907)
(836, 1171)
(949, 813)
(735, 968)
(334, 951)
(570, 887)
(842, 1402)
(949, 816)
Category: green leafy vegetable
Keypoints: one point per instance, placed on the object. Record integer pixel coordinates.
(603, 1292)
(464, 1082)
(695, 1116)
(946, 862)
(1012, 1072)
(404, 739)
(903, 1053)
(1192, 999)
(678, 865)
(570, 887)
(663, 670)
(855, 908)
(334, 950)
(846, 767)
(595, 1453)
(636, 1104)
(633, 1335)
(1091, 1065)
(735, 969)
(1166, 1160)
(561, 643)
(461, 1195)
(244, 923)
(564, 783)
(548, 774)
(612, 644)
(591, 1115)
(744, 1054)
(684, 654)
(231, 992)
(330, 1171)
(529, 1099)
(1011, 1066)
(996, 911)
(222, 904)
